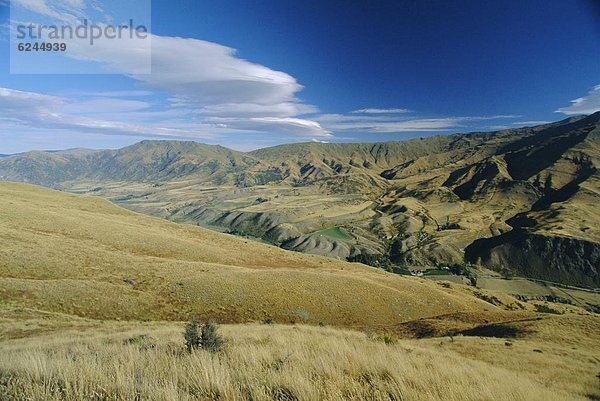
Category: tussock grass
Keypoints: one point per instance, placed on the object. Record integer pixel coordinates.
(259, 362)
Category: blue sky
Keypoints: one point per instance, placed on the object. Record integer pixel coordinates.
(249, 75)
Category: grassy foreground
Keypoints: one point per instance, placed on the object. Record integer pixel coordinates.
(86, 360)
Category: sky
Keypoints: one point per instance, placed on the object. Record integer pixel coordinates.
(248, 75)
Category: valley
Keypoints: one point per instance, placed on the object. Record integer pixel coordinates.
(507, 201)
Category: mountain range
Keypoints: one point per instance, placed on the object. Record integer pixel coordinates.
(521, 201)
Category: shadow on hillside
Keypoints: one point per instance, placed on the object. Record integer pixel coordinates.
(497, 330)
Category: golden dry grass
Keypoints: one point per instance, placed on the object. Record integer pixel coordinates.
(84, 256)
(561, 352)
(81, 360)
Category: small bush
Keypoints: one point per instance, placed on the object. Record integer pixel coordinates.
(546, 309)
(488, 298)
(593, 308)
(371, 259)
(205, 336)
(388, 338)
(210, 337)
(546, 298)
(497, 330)
(192, 335)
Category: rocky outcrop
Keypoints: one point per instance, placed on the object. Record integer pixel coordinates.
(561, 259)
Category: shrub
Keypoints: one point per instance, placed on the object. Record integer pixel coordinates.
(593, 308)
(210, 337)
(458, 269)
(388, 338)
(488, 298)
(192, 335)
(370, 259)
(506, 273)
(205, 336)
(546, 309)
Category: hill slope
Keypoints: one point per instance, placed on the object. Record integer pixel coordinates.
(57, 358)
(84, 256)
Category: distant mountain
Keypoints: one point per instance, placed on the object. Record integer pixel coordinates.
(525, 200)
(143, 162)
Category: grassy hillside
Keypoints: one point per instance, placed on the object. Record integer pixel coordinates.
(84, 256)
(56, 357)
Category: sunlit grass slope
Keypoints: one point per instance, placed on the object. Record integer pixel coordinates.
(66, 358)
(85, 256)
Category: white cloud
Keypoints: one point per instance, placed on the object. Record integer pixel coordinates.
(382, 111)
(105, 105)
(394, 124)
(195, 72)
(288, 125)
(284, 109)
(584, 105)
(199, 73)
(19, 108)
(342, 123)
(203, 81)
(16, 104)
(530, 123)
(209, 81)
(131, 93)
(63, 10)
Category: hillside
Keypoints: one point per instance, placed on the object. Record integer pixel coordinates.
(92, 297)
(54, 357)
(506, 200)
(84, 256)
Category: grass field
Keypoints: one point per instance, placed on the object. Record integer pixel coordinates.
(78, 359)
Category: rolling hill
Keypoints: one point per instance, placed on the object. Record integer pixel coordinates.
(507, 200)
(83, 256)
